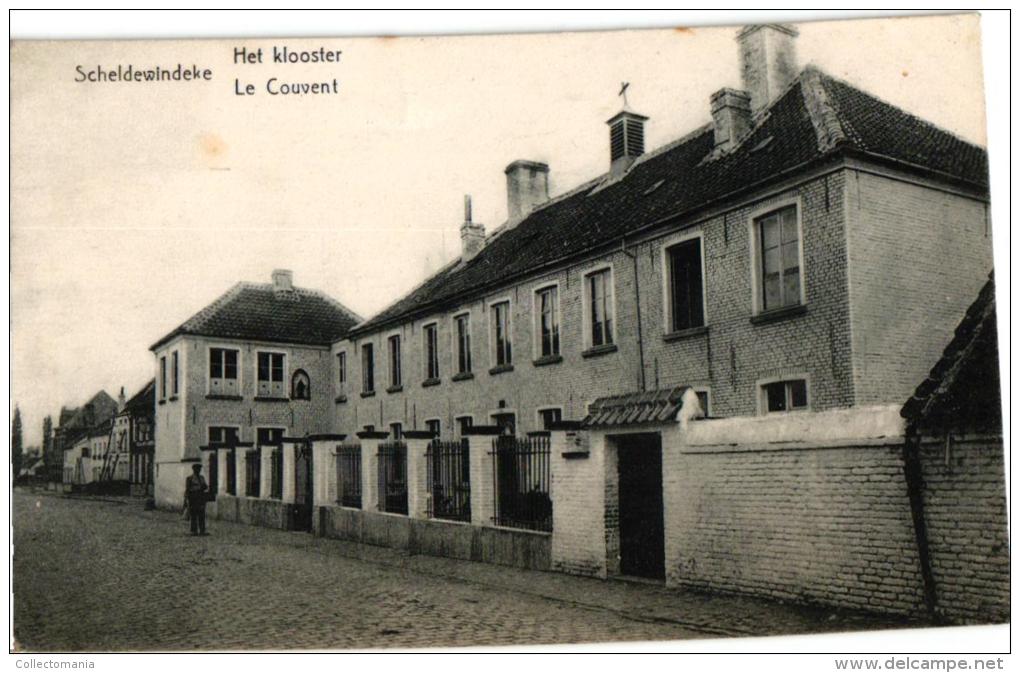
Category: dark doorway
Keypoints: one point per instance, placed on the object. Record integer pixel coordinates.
(642, 540)
(303, 494)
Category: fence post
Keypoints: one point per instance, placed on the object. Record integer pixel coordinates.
(240, 479)
(221, 472)
(289, 460)
(417, 472)
(483, 488)
(320, 471)
(266, 471)
(370, 468)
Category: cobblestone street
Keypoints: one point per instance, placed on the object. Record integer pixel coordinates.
(106, 575)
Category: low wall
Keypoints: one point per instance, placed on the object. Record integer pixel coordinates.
(252, 511)
(806, 507)
(501, 546)
(968, 536)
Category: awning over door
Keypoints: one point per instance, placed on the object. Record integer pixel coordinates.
(653, 406)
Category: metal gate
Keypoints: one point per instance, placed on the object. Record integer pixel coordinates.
(303, 492)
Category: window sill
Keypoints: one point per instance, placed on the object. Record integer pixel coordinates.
(500, 369)
(599, 350)
(263, 398)
(217, 396)
(688, 333)
(368, 393)
(778, 314)
(162, 401)
(394, 389)
(172, 398)
(463, 376)
(427, 383)
(547, 360)
(340, 399)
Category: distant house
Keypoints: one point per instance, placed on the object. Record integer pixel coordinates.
(80, 432)
(134, 440)
(252, 367)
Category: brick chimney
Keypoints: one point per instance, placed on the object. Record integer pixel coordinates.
(626, 140)
(283, 280)
(768, 61)
(472, 236)
(527, 187)
(731, 117)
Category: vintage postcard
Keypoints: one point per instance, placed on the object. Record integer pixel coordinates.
(410, 342)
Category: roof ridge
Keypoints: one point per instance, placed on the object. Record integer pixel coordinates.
(335, 302)
(825, 75)
(828, 127)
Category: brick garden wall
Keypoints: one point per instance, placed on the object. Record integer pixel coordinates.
(965, 512)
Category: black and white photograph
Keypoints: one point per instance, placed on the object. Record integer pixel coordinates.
(642, 335)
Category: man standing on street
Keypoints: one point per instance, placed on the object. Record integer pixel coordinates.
(194, 499)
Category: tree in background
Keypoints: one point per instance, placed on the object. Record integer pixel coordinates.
(47, 444)
(16, 452)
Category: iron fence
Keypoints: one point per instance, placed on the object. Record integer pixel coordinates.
(393, 477)
(520, 469)
(348, 475)
(251, 474)
(276, 473)
(449, 479)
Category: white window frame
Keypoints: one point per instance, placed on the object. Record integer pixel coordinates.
(763, 407)
(389, 360)
(536, 319)
(667, 286)
(586, 317)
(455, 342)
(754, 240)
(375, 367)
(509, 329)
(539, 425)
(433, 324)
(341, 385)
(286, 372)
(208, 366)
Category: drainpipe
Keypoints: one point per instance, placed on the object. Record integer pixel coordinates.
(915, 493)
(637, 303)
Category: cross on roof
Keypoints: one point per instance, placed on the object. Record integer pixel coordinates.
(623, 92)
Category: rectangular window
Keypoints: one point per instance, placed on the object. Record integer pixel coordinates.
(463, 423)
(270, 375)
(223, 435)
(341, 372)
(173, 374)
(394, 347)
(686, 300)
(433, 426)
(162, 378)
(507, 423)
(785, 396)
(396, 431)
(547, 310)
(500, 321)
(269, 436)
(779, 246)
(367, 369)
(550, 416)
(600, 308)
(703, 401)
(223, 371)
(431, 333)
(463, 343)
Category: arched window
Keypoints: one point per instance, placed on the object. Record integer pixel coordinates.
(300, 386)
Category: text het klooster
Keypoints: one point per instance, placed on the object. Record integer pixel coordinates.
(274, 86)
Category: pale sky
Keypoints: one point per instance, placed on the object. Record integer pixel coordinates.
(135, 205)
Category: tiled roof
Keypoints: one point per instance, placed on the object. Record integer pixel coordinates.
(815, 118)
(94, 412)
(257, 312)
(962, 389)
(144, 401)
(654, 406)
